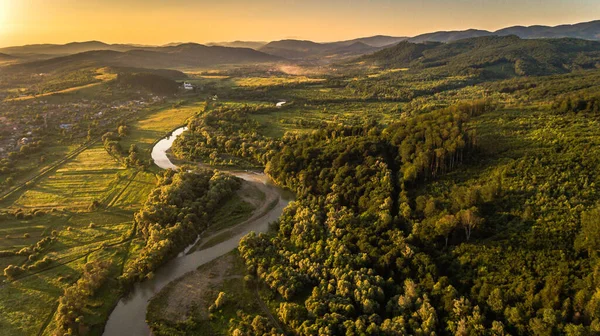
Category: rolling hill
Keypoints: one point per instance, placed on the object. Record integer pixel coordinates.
(294, 49)
(181, 56)
(299, 49)
(449, 36)
(378, 41)
(494, 55)
(585, 30)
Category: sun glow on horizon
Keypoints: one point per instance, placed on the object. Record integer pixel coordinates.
(5, 10)
(159, 22)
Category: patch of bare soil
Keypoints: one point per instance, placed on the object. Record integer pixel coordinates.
(196, 289)
(247, 193)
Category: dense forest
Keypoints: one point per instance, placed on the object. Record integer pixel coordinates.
(224, 135)
(392, 234)
(471, 212)
(381, 242)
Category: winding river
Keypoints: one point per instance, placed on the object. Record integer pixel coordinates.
(129, 316)
(159, 151)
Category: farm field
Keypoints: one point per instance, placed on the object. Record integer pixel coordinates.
(274, 81)
(92, 175)
(102, 76)
(80, 212)
(37, 164)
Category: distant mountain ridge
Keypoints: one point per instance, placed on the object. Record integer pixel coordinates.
(67, 49)
(80, 47)
(584, 30)
(303, 50)
(377, 40)
(180, 56)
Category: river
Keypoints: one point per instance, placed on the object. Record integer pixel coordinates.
(159, 151)
(129, 316)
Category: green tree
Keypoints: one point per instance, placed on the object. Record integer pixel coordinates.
(445, 225)
(589, 235)
(469, 219)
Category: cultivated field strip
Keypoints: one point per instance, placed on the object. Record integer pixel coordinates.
(90, 176)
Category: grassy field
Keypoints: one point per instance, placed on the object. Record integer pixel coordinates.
(58, 206)
(145, 132)
(234, 211)
(274, 81)
(303, 118)
(36, 163)
(29, 302)
(92, 175)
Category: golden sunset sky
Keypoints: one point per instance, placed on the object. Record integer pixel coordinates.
(164, 21)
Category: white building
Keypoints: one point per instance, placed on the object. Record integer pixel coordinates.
(188, 86)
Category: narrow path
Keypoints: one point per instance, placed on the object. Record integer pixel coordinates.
(48, 319)
(267, 311)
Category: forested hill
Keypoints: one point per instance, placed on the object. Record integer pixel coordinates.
(449, 36)
(500, 55)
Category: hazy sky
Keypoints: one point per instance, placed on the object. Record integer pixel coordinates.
(164, 21)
